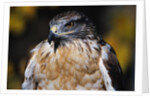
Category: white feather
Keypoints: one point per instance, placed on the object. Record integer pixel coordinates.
(107, 80)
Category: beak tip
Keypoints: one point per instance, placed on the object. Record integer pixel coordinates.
(51, 37)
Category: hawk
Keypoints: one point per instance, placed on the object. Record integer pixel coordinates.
(73, 57)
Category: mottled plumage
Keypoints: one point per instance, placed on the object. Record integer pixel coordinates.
(73, 57)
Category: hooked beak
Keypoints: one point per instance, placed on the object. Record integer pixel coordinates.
(52, 37)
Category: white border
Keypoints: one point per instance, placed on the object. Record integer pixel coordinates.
(139, 45)
(147, 20)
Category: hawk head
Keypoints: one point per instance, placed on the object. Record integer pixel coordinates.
(71, 25)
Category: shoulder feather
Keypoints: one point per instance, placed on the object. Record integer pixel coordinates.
(110, 62)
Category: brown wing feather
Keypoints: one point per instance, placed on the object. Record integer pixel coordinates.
(115, 71)
(112, 65)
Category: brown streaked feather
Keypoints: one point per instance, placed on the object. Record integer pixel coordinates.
(67, 68)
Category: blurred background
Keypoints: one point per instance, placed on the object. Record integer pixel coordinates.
(30, 25)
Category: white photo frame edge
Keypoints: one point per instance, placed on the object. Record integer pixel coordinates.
(139, 54)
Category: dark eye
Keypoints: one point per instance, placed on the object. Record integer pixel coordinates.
(69, 25)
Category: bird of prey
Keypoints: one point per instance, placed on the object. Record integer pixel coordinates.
(73, 57)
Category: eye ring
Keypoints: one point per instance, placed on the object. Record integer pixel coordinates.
(69, 25)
